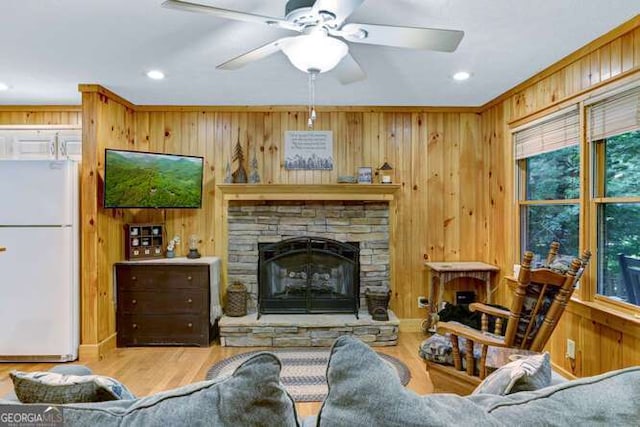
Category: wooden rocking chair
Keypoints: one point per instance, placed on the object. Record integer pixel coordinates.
(540, 298)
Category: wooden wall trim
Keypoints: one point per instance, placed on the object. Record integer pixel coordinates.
(95, 352)
(614, 82)
(563, 372)
(617, 32)
(41, 108)
(305, 108)
(272, 108)
(628, 324)
(96, 88)
(89, 247)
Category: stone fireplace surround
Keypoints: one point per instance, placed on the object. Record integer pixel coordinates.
(255, 220)
(250, 223)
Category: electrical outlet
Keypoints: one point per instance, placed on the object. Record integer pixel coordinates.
(423, 302)
(571, 349)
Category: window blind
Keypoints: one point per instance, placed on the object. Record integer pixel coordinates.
(551, 134)
(615, 115)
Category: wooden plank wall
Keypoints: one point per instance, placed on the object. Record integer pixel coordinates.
(603, 341)
(438, 218)
(431, 151)
(40, 115)
(106, 123)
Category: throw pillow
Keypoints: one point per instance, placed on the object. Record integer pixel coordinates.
(53, 387)
(251, 396)
(527, 373)
(365, 391)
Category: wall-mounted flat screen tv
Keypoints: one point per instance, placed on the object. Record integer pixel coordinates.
(136, 179)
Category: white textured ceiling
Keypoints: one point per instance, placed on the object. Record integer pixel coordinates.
(47, 47)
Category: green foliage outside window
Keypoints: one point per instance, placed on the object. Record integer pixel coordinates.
(552, 223)
(552, 176)
(619, 223)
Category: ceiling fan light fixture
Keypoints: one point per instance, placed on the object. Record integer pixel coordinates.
(315, 51)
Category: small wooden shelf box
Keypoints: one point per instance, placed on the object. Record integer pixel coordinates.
(144, 241)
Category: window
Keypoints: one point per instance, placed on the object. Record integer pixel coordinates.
(548, 160)
(614, 132)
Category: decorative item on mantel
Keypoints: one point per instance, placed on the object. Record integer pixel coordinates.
(385, 174)
(193, 247)
(365, 175)
(228, 179)
(347, 179)
(378, 302)
(239, 176)
(254, 176)
(171, 246)
(236, 300)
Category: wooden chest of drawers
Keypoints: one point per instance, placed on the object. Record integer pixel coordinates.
(163, 304)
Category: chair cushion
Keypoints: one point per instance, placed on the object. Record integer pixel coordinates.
(53, 387)
(526, 373)
(437, 348)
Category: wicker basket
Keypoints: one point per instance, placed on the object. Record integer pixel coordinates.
(377, 303)
(236, 300)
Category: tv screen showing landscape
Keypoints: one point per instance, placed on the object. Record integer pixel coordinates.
(135, 179)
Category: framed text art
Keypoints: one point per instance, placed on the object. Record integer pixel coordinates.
(308, 150)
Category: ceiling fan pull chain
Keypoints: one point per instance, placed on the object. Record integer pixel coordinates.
(312, 99)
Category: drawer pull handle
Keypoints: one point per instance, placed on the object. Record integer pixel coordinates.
(189, 300)
(190, 325)
(134, 278)
(133, 301)
(189, 277)
(134, 326)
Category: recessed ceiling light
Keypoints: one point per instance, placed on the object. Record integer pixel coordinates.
(4, 86)
(155, 75)
(461, 75)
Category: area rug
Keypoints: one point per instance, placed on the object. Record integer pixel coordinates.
(303, 370)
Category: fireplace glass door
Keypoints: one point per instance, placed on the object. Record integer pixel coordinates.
(308, 275)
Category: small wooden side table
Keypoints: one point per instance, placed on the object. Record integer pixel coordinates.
(444, 272)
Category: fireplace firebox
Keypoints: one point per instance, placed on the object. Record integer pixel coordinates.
(308, 275)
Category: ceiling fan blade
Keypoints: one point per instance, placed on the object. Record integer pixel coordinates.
(253, 55)
(229, 14)
(407, 37)
(349, 71)
(340, 8)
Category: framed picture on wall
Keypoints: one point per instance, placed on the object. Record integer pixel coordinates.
(308, 150)
(365, 175)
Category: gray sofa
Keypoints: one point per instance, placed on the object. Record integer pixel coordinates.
(364, 391)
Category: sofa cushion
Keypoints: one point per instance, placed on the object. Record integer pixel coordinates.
(251, 396)
(54, 387)
(607, 399)
(526, 373)
(364, 391)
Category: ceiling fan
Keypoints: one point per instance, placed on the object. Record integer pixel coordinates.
(322, 23)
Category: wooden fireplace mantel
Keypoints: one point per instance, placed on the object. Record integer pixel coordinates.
(357, 192)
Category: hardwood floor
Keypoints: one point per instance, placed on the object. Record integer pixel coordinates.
(147, 370)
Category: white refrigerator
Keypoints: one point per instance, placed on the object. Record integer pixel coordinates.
(39, 270)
